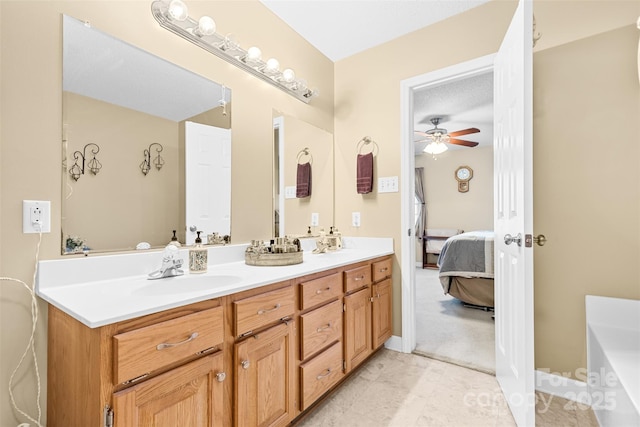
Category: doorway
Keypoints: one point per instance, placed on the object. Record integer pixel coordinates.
(409, 87)
(450, 328)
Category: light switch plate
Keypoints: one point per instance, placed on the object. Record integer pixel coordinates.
(388, 184)
(290, 192)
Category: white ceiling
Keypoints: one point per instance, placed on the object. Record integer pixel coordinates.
(343, 28)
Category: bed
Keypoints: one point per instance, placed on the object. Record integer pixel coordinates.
(466, 267)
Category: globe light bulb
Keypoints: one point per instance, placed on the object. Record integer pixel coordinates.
(254, 54)
(272, 65)
(206, 26)
(178, 10)
(288, 75)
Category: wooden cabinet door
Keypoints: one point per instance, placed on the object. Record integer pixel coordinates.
(264, 377)
(190, 395)
(357, 327)
(381, 312)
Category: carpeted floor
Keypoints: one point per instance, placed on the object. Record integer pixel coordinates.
(447, 330)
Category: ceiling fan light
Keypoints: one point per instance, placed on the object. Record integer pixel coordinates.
(435, 148)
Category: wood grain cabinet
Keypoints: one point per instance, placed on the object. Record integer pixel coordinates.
(149, 371)
(260, 357)
(190, 395)
(381, 295)
(264, 359)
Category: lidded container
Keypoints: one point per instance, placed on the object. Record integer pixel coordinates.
(198, 257)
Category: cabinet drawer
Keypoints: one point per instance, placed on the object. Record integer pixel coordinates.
(381, 269)
(320, 327)
(147, 349)
(318, 291)
(357, 278)
(320, 374)
(260, 310)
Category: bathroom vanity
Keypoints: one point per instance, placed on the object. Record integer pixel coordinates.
(256, 346)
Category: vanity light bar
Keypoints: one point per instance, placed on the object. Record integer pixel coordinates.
(226, 48)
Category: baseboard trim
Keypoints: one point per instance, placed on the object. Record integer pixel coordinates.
(567, 388)
(394, 343)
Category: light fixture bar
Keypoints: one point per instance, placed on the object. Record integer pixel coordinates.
(226, 49)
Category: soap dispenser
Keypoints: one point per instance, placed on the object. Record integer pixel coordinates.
(174, 240)
(198, 257)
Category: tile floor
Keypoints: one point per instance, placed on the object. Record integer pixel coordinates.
(405, 390)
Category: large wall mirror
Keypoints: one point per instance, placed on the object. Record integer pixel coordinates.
(122, 108)
(297, 142)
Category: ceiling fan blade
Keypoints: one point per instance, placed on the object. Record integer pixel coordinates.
(462, 142)
(420, 133)
(463, 132)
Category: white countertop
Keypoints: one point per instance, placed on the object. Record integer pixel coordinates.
(100, 290)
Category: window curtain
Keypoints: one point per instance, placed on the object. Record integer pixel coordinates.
(421, 220)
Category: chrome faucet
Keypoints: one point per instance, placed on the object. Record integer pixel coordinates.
(171, 265)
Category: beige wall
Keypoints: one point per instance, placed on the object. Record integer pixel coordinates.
(31, 75)
(572, 96)
(120, 206)
(368, 101)
(586, 187)
(446, 206)
(297, 136)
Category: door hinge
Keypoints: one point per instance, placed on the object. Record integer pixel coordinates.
(344, 308)
(344, 365)
(409, 232)
(108, 416)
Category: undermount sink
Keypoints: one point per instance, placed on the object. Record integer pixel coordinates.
(185, 284)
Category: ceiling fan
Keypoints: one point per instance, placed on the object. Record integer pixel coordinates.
(438, 137)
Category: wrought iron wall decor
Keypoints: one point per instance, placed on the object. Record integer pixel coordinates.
(94, 165)
(158, 161)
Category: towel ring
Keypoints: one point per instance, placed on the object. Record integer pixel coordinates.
(305, 152)
(366, 141)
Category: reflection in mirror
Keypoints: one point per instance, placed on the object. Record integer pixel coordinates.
(124, 100)
(292, 215)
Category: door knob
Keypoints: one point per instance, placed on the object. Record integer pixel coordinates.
(509, 239)
(539, 240)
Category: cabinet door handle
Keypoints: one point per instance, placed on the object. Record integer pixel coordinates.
(164, 345)
(268, 310)
(221, 376)
(319, 291)
(324, 374)
(245, 364)
(324, 328)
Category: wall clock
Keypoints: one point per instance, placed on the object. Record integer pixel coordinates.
(463, 176)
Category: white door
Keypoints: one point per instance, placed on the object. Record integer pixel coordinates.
(513, 213)
(207, 180)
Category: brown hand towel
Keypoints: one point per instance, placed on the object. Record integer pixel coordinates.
(303, 183)
(364, 178)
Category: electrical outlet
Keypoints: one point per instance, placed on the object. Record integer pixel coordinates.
(315, 219)
(355, 219)
(36, 216)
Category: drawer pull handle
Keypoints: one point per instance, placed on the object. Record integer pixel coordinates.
(359, 278)
(324, 328)
(319, 291)
(164, 345)
(324, 374)
(382, 270)
(269, 310)
(245, 364)
(221, 376)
